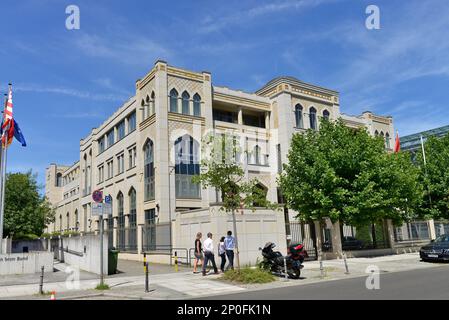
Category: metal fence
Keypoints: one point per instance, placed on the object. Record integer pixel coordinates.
(156, 237)
(412, 231)
(304, 233)
(127, 239)
(441, 227)
(374, 236)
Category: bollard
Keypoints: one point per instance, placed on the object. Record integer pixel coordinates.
(346, 264)
(321, 269)
(144, 262)
(147, 281)
(176, 261)
(41, 282)
(53, 295)
(285, 269)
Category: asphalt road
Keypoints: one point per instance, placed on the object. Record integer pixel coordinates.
(430, 283)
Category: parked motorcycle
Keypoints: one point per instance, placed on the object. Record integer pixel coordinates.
(274, 260)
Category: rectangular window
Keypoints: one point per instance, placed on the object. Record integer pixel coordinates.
(121, 163)
(132, 157)
(121, 130)
(101, 144)
(110, 138)
(110, 169)
(132, 122)
(225, 116)
(100, 174)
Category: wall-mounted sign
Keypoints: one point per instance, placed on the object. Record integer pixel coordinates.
(97, 196)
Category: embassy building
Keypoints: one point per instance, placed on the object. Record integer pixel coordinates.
(145, 154)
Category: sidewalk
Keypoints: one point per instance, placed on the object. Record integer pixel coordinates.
(186, 285)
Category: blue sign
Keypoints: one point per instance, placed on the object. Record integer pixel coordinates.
(108, 199)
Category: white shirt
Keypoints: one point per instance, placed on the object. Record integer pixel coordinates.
(208, 245)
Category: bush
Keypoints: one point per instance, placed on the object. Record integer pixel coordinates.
(22, 236)
(249, 275)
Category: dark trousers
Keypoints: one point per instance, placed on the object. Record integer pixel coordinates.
(223, 261)
(209, 256)
(230, 255)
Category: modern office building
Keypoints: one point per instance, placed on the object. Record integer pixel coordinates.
(145, 154)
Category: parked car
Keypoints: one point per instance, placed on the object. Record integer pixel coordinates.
(437, 250)
(351, 243)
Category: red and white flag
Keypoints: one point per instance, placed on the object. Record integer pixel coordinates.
(8, 122)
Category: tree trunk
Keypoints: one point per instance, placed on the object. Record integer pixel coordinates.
(237, 255)
(373, 234)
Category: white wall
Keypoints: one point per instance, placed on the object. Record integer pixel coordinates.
(254, 229)
(25, 263)
(90, 259)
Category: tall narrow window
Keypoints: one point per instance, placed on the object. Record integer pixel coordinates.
(312, 116)
(387, 140)
(197, 105)
(132, 234)
(326, 115)
(121, 222)
(153, 103)
(173, 100)
(110, 137)
(187, 165)
(148, 151)
(132, 122)
(68, 221)
(298, 116)
(257, 155)
(121, 130)
(185, 103)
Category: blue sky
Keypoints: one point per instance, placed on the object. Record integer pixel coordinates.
(68, 82)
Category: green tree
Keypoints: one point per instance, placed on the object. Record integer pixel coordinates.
(434, 175)
(347, 175)
(220, 169)
(26, 211)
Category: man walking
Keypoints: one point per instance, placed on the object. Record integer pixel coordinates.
(229, 246)
(208, 249)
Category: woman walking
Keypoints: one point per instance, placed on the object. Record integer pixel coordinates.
(198, 252)
(222, 253)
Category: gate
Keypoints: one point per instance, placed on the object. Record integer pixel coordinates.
(305, 234)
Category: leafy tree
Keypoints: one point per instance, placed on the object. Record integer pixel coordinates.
(347, 175)
(434, 175)
(26, 211)
(220, 169)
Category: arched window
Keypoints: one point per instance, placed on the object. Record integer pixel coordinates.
(143, 108)
(111, 228)
(68, 221)
(147, 107)
(173, 100)
(185, 103)
(77, 223)
(197, 105)
(312, 116)
(60, 223)
(132, 234)
(326, 115)
(121, 222)
(387, 140)
(260, 195)
(187, 164)
(148, 151)
(153, 104)
(382, 134)
(376, 133)
(59, 179)
(298, 116)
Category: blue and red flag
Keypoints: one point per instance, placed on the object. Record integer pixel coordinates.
(10, 128)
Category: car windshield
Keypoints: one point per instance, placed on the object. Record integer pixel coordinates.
(442, 238)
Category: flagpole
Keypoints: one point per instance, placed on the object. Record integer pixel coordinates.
(2, 184)
(425, 169)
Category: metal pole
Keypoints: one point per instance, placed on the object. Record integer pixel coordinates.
(346, 263)
(2, 200)
(101, 251)
(41, 283)
(285, 269)
(147, 281)
(234, 224)
(176, 261)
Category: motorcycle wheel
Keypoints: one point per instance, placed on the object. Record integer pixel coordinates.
(294, 273)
